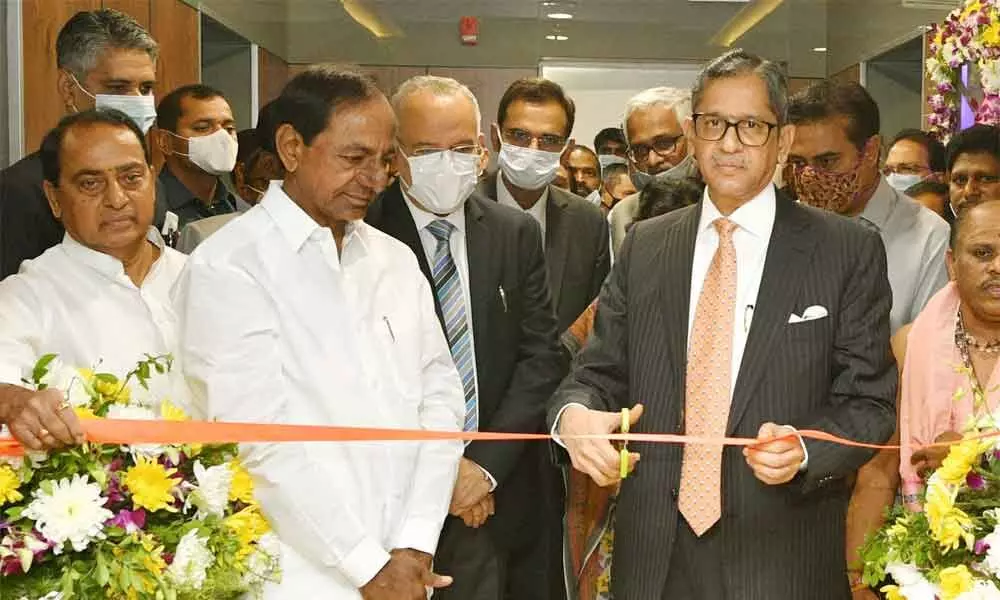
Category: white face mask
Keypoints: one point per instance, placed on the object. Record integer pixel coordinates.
(528, 168)
(215, 153)
(441, 181)
(903, 181)
(610, 159)
(141, 109)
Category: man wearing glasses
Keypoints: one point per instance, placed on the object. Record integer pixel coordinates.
(745, 315)
(834, 166)
(656, 148)
(485, 264)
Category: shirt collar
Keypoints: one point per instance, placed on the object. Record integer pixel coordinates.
(178, 195)
(422, 218)
(880, 206)
(505, 197)
(755, 216)
(296, 226)
(105, 264)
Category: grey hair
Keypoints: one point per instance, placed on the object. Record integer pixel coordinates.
(89, 33)
(438, 86)
(739, 62)
(675, 98)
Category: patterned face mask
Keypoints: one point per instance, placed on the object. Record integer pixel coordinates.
(829, 190)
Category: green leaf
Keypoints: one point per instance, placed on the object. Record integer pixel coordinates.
(42, 367)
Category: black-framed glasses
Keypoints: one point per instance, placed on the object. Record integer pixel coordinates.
(750, 132)
(547, 142)
(663, 145)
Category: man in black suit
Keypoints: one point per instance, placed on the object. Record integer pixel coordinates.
(534, 121)
(486, 266)
(105, 59)
(745, 315)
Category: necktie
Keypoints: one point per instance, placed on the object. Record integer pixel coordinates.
(451, 297)
(706, 405)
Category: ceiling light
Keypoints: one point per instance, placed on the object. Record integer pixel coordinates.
(819, 49)
(560, 16)
(556, 38)
(744, 21)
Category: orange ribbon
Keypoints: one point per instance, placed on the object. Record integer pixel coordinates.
(116, 431)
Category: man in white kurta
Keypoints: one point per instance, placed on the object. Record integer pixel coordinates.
(287, 321)
(101, 298)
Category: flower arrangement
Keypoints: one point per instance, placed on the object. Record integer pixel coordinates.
(951, 550)
(969, 35)
(172, 522)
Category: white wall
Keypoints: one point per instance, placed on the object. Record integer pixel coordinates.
(600, 90)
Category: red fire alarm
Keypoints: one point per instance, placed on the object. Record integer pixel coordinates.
(468, 28)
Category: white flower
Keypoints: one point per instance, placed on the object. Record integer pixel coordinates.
(981, 590)
(991, 563)
(68, 380)
(989, 75)
(911, 582)
(264, 564)
(49, 596)
(191, 560)
(211, 495)
(72, 511)
(137, 413)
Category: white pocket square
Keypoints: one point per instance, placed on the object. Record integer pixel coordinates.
(810, 314)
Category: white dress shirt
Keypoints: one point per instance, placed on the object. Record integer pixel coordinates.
(537, 211)
(755, 221)
(79, 303)
(277, 328)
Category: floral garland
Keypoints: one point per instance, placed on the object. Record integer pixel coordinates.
(969, 35)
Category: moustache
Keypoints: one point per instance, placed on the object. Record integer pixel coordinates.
(729, 161)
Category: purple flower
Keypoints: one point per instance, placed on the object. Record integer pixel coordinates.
(129, 520)
(975, 481)
(945, 88)
(981, 547)
(114, 491)
(117, 465)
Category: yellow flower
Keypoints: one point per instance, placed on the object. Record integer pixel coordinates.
(83, 413)
(151, 485)
(991, 35)
(248, 525)
(241, 487)
(153, 559)
(899, 528)
(973, 7)
(892, 592)
(955, 581)
(961, 457)
(9, 482)
(171, 412)
(949, 526)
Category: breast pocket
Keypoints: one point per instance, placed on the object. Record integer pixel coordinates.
(813, 331)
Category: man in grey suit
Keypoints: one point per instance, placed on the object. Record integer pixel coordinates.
(746, 315)
(533, 125)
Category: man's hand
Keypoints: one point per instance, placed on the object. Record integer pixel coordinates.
(471, 487)
(778, 461)
(406, 576)
(476, 516)
(864, 594)
(927, 461)
(597, 458)
(39, 420)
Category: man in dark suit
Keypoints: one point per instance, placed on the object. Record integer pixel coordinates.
(745, 315)
(105, 59)
(533, 125)
(487, 269)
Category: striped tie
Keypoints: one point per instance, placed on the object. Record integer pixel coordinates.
(448, 287)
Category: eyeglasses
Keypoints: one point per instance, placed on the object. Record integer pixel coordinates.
(905, 169)
(750, 132)
(547, 142)
(470, 149)
(663, 145)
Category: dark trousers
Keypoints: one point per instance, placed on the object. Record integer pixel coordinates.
(485, 571)
(695, 571)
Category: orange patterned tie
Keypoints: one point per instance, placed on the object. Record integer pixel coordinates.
(706, 406)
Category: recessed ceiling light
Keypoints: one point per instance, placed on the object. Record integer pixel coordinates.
(557, 38)
(560, 15)
(819, 49)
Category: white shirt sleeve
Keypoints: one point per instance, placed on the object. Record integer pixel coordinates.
(442, 408)
(231, 354)
(21, 325)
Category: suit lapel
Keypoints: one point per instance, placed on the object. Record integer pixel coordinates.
(677, 256)
(483, 274)
(398, 223)
(556, 242)
(785, 267)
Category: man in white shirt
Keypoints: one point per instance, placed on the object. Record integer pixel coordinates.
(299, 312)
(101, 297)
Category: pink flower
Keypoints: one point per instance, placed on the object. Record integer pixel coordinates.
(129, 520)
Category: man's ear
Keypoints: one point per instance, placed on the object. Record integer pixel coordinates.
(495, 136)
(290, 146)
(949, 262)
(66, 89)
(162, 140)
(50, 196)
